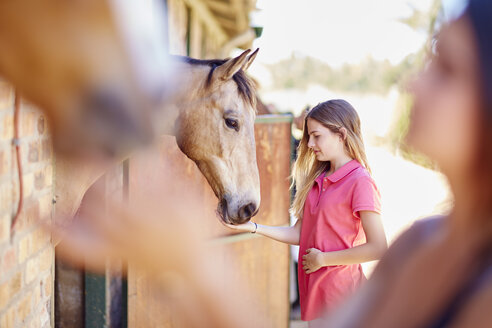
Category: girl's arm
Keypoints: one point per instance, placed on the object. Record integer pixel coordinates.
(288, 235)
(375, 246)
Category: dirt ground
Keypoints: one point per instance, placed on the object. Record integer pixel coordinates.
(298, 324)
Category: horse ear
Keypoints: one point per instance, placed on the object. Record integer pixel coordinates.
(250, 60)
(227, 70)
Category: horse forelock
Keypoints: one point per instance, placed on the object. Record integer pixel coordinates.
(245, 85)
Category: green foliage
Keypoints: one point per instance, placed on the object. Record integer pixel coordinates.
(419, 20)
(399, 132)
(369, 76)
(431, 22)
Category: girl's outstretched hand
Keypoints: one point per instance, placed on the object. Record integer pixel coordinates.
(246, 227)
(312, 260)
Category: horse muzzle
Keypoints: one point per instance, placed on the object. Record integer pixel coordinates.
(238, 215)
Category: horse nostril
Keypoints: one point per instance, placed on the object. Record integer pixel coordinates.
(247, 211)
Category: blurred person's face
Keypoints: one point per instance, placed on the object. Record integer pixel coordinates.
(444, 119)
(325, 144)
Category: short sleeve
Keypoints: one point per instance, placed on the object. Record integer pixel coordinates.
(365, 197)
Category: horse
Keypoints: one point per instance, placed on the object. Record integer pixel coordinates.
(212, 116)
(95, 74)
(102, 93)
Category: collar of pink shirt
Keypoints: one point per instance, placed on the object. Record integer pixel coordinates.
(341, 172)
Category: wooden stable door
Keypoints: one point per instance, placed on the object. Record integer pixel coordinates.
(262, 263)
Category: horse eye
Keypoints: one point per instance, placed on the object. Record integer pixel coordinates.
(232, 124)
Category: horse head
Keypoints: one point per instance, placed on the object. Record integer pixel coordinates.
(216, 130)
(81, 62)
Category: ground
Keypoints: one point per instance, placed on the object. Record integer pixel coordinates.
(298, 324)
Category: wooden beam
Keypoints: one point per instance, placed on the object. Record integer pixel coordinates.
(227, 23)
(208, 19)
(241, 21)
(220, 7)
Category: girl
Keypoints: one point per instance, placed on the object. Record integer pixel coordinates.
(338, 209)
(439, 272)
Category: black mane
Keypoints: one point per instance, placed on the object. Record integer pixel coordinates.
(245, 85)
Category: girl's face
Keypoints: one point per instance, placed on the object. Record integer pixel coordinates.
(444, 117)
(325, 144)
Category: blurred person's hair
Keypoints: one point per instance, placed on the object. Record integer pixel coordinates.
(479, 14)
(334, 115)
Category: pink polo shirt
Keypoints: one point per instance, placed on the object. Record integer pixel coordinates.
(331, 222)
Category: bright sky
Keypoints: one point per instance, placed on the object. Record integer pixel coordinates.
(339, 31)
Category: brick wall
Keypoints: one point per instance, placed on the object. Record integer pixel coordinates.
(26, 254)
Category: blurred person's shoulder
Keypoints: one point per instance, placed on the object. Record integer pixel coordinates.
(476, 312)
(409, 241)
(427, 227)
(421, 229)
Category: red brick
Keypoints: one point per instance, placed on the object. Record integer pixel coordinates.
(46, 259)
(36, 295)
(45, 315)
(39, 180)
(4, 228)
(39, 264)
(24, 308)
(28, 179)
(35, 322)
(29, 215)
(8, 318)
(9, 289)
(25, 246)
(33, 152)
(27, 122)
(46, 286)
(41, 124)
(15, 284)
(45, 205)
(4, 162)
(40, 238)
(32, 269)
(4, 294)
(5, 198)
(7, 132)
(9, 260)
(48, 173)
(46, 149)
(6, 95)
(43, 178)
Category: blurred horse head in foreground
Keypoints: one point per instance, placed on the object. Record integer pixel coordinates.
(95, 68)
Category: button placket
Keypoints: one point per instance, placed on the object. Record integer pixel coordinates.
(320, 191)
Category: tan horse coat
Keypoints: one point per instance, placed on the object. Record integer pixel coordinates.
(207, 100)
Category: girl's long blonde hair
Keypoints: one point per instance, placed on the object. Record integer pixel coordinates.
(333, 114)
